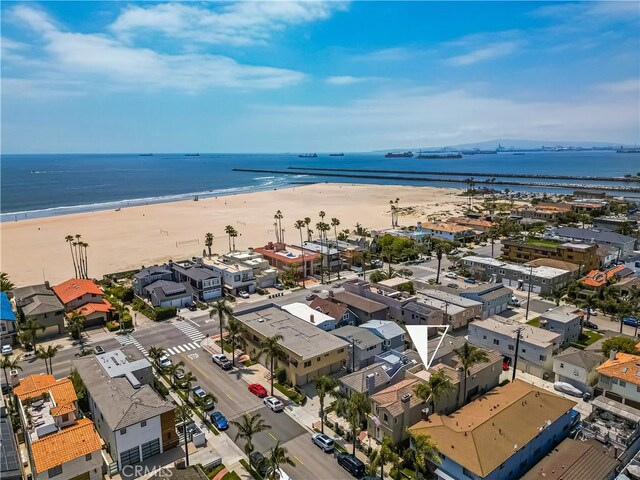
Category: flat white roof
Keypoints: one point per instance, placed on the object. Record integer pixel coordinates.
(304, 312)
(451, 308)
(528, 334)
(542, 271)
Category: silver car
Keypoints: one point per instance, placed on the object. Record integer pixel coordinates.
(274, 404)
(325, 442)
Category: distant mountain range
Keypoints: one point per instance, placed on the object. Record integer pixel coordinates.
(509, 143)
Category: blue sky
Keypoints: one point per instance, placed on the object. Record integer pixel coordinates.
(315, 76)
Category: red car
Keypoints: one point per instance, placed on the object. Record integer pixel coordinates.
(258, 390)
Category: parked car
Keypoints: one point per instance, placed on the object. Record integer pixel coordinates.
(451, 267)
(222, 361)
(274, 404)
(210, 405)
(452, 285)
(99, 350)
(325, 442)
(351, 464)
(565, 387)
(7, 349)
(192, 307)
(198, 392)
(258, 390)
(631, 321)
(469, 280)
(164, 361)
(243, 294)
(278, 286)
(590, 325)
(451, 275)
(336, 285)
(219, 420)
(311, 296)
(257, 461)
(514, 301)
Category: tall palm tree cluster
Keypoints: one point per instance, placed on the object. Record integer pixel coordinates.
(278, 227)
(232, 233)
(78, 250)
(47, 355)
(208, 241)
(394, 211)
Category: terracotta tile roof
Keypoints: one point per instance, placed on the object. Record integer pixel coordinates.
(625, 367)
(75, 288)
(68, 444)
(472, 222)
(61, 391)
(596, 278)
(389, 398)
(481, 435)
(446, 227)
(89, 308)
(62, 409)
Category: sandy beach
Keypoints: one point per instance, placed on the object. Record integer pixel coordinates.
(33, 250)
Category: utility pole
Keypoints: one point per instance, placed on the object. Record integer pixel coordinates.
(353, 353)
(515, 358)
(526, 317)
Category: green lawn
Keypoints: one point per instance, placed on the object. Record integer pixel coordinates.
(231, 476)
(588, 337)
(538, 242)
(534, 322)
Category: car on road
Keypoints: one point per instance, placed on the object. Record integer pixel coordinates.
(274, 404)
(324, 441)
(278, 286)
(7, 349)
(222, 361)
(469, 280)
(336, 285)
(451, 275)
(164, 361)
(451, 267)
(257, 461)
(198, 392)
(311, 296)
(452, 285)
(219, 420)
(99, 350)
(243, 294)
(631, 321)
(590, 325)
(191, 307)
(258, 390)
(351, 464)
(376, 264)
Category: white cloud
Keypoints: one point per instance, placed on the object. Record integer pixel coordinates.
(593, 11)
(345, 80)
(631, 85)
(487, 52)
(99, 57)
(385, 55)
(241, 23)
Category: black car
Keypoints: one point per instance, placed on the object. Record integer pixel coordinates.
(590, 325)
(257, 461)
(192, 307)
(351, 464)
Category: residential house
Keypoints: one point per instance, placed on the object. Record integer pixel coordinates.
(578, 368)
(339, 311)
(613, 223)
(8, 327)
(573, 459)
(264, 275)
(167, 293)
(494, 298)
(457, 311)
(60, 443)
(358, 241)
(565, 320)
(303, 262)
(584, 255)
(329, 255)
(620, 378)
(589, 206)
(500, 435)
(149, 275)
(615, 425)
(388, 368)
(364, 309)
(608, 255)
(543, 280)
(393, 410)
(625, 244)
(537, 346)
(11, 463)
(363, 346)
(479, 225)
(448, 231)
(311, 316)
(544, 212)
(628, 286)
(205, 281)
(132, 419)
(597, 279)
(390, 332)
(310, 351)
(86, 298)
(40, 304)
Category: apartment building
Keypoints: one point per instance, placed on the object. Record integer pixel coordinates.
(537, 346)
(329, 256)
(132, 419)
(286, 258)
(565, 320)
(393, 410)
(40, 304)
(623, 243)
(457, 311)
(363, 346)
(585, 256)
(447, 231)
(494, 298)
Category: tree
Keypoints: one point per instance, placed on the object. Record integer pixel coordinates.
(335, 223)
(621, 344)
(493, 234)
(235, 330)
(202, 402)
(85, 259)
(299, 225)
(69, 240)
(174, 370)
(558, 294)
(588, 303)
(208, 241)
(441, 248)
(247, 427)
(155, 353)
(42, 354)
(29, 328)
(185, 385)
(435, 388)
(354, 410)
(278, 218)
(10, 363)
(183, 413)
(229, 230)
(307, 222)
(424, 451)
(78, 384)
(386, 454)
(5, 283)
(469, 355)
(625, 228)
(270, 347)
(324, 385)
(277, 457)
(234, 235)
(221, 309)
(75, 325)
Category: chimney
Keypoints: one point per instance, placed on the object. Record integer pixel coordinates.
(406, 407)
(370, 383)
(331, 293)
(612, 354)
(46, 284)
(312, 319)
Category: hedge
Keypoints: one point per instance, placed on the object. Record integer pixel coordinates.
(162, 313)
(113, 326)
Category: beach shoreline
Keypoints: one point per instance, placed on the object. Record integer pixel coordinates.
(34, 250)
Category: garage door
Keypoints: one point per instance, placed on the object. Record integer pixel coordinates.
(150, 449)
(130, 457)
(48, 331)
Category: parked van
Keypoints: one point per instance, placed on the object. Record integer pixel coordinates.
(514, 301)
(351, 464)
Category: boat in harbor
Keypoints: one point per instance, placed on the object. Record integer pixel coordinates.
(399, 155)
(336, 154)
(308, 155)
(428, 155)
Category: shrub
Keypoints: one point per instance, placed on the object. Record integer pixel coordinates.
(281, 375)
(127, 322)
(124, 294)
(113, 326)
(162, 313)
(159, 387)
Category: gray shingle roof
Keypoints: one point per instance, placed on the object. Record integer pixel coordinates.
(361, 303)
(581, 358)
(22, 294)
(40, 304)
(357, 380)
(363, 337)
(166, 289)
(588, 234)
(196, 273)
(419, 308)
(386, 328)
(154, 270)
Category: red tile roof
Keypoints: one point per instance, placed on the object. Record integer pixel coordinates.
(75, 288)
(89, 308)
(596, 278)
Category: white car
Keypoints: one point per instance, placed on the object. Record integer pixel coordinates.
(274, 404)
(243, 294)
(164, 361)
(7, 349)
(451, 275)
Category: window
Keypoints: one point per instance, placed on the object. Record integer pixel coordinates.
(524, 350)
(543, 358)
(87, 457)
(307, 364)
(123, 431)
(345, 316)
(623, 383)
(395, 420)
(340, 350)
(57, 470)
(484, 337)
(510, 347)
(65, 417)
(385, 417)
(318, 359)
(496, 342)
(143, 423)
(561, 365)
(614, 381)
(544, 281)
(236, 278)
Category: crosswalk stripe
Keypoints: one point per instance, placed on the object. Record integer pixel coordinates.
(180, 348)
(193, 345)
(170, 350)
(187, 346)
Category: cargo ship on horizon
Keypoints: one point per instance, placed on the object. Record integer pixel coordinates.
(427, 155)
(308, 155)
(399, 155)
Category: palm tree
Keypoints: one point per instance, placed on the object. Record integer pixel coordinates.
(69, 240)
(441, 248)
(354, 409)
(84, 246)
(558, 294)
(202, 402)
(174, 369)
(299, 224)
(271, 348)
(323, 228)
(155, 353)
(41, 354)
(52, 351)
(76, 248)
(185, 384)
(30, 326)
(234, 235)
(435, 388)
(183, 413)
(335, 223)
(324, 384)
(222, 309)
(469, 355)
(588, 303)
(10, 363)
(208, 241)
(278, 218)
(5, 283)
(277, 457)
(229, 230)
(247, 427)
(424, 451)
(319, 229)
(625, 228)
(386, 454)
(235, 330)
(307, 222)
(75, 325)
(493, 234)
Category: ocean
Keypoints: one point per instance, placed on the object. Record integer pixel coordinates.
(56, 184)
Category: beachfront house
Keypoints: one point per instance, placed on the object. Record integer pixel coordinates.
(300, 263)
(452, 232)
(8, 327)
(167, 293)
(205, 283)
(363, 346)
(329, 254)
(86, 298)
(264, 274)
(40, 304)
(234, 277)
(149, 275)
